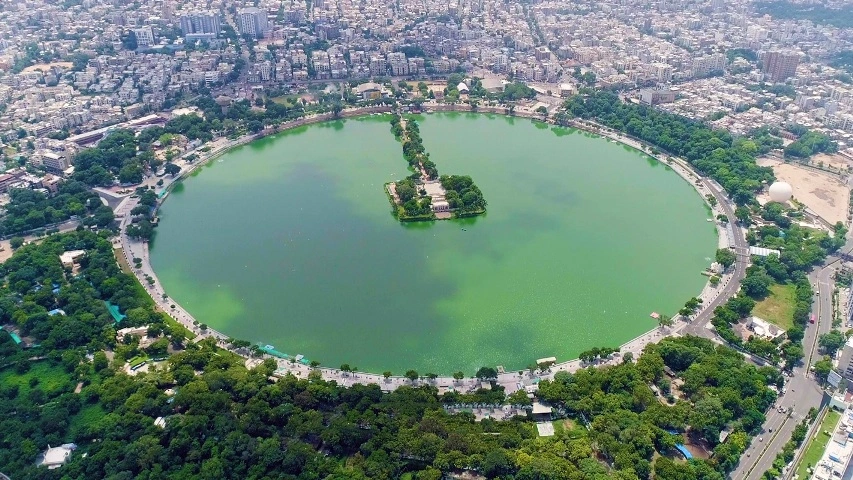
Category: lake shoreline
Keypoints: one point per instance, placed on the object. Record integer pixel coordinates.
(354, 113)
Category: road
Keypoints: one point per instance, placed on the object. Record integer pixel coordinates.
(698, 326)
(801, 391)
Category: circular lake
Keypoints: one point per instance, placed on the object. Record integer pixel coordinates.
(290, 241)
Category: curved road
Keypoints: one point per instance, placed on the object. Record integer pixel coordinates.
(699, 325)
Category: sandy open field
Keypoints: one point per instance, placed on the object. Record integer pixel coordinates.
(834, 161)
(823, 193)
(45, 66)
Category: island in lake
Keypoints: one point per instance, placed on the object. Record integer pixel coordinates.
(424, 195)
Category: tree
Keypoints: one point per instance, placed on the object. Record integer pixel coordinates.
(386, 374)
(793, 354)
(497, 464)
(405, 191)
(16, 242)
(665, 321)
(140, 210)
(412, 375)
(99, 361)
(726, 257)
(171, 169)
(486, 373)
(458, 376)
(690, 307)
(822, 368)
(743, 215)
(541, 110)
(831, 342)
(712, 200)
(757, 283)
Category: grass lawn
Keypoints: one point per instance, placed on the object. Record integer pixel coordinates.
(87, 415)
(286, 100)
(52, 379)
(778, 307)
(817, 445)
(568, 426)
(122, 262)
(177, 326)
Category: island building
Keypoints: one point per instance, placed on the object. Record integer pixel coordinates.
(437, 194)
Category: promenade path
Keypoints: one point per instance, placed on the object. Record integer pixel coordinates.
(511, 381)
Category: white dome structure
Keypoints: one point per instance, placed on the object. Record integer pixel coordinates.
(780, 192)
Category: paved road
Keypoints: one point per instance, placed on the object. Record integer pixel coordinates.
(698, 325)
(802, 392)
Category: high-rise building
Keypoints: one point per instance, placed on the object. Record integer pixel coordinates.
(253, 22)
(144, 36)
(201, 23)
(779, 66)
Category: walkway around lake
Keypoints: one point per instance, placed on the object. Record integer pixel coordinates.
(511, 381)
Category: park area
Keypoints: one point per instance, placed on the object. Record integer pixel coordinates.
(817, 445)
(41, 375)
(778, 307)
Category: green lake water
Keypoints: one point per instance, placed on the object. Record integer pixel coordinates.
(290, 241)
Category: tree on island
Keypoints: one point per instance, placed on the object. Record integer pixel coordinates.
(406, 190)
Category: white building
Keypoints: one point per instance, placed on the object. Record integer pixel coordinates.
(55, 457)
(253, 22)
(845, 362)
(201, 23)
(144, 36)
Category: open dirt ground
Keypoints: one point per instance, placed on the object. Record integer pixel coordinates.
(823, 193)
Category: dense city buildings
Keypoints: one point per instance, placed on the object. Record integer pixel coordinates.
(714, 61)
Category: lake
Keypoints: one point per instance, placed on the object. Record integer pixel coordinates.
(290, 241)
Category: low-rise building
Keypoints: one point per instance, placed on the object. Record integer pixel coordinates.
(55, 457)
